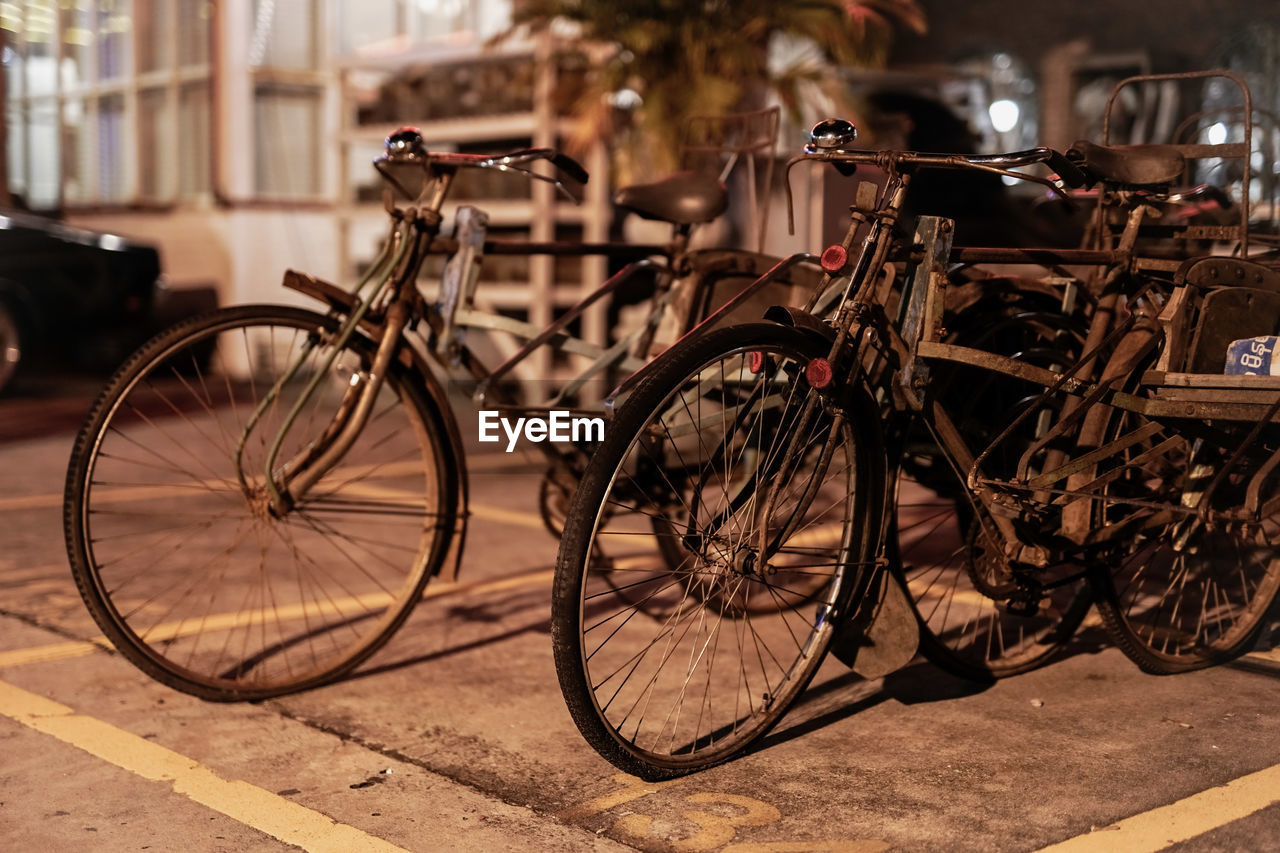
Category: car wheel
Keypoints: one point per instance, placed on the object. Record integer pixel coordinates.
(10, 344)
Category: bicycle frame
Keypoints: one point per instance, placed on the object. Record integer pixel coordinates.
(394, 306)
(864, 340)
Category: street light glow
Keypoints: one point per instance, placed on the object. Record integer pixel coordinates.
(1004, 115)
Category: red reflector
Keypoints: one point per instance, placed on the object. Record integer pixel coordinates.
(755, 361)
(834, 259)
(818, 372)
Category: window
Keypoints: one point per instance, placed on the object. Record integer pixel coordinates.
(108, 101)
(288, 97)
(386, 26)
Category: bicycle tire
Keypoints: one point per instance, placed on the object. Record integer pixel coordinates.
(643, 471)
(949, 563)
(1227, 573)
(188, 572)
(11, 343)
(949, 558)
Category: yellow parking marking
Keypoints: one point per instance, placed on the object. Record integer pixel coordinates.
(30, 502)
(1272, 655)
(491, 513)
(240, 801)
(227, 621)
(479, 462)
(9, 574)
(52, 652)
(1183, 820)
(498, 461)
(142, 493)
(508, 516)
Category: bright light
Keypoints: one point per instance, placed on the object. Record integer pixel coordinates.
(626, 99)
(1217, 133)
(1004, 115)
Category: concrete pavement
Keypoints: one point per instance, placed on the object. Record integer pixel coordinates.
(454, 737)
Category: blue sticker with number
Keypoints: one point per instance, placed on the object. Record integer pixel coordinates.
(1252, 357)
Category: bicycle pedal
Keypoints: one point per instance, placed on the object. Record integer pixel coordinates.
(1024, 607)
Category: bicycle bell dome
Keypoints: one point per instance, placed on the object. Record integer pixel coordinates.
(833, 134)
(405, 144)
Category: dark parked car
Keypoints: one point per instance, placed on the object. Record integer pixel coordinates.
(74, 298)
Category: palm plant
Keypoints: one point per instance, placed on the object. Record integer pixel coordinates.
(674, 59)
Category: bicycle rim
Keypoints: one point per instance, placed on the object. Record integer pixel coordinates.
(959, 587)
(1176, 593)
(673, 663)
(187, 569)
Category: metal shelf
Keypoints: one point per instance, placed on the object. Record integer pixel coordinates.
(539, 215)
(440, 132)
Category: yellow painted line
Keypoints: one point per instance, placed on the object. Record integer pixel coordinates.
(508, 516)
(250, 805)
(52, 652)
(531, 579)
(10, 573)
(1272, 655)
(1183, 820)
(491, 513)
(498, 461)
(227, 621)
(484, 461)
(30, 502)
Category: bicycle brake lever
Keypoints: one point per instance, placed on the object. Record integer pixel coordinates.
(570, 167)
(528, 173)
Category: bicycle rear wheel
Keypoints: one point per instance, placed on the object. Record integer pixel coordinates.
(1177, 593)
(187, 569)
(959, 582)
(950, 556)
(733, 507)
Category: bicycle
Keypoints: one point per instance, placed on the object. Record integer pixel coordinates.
(775, 449)
(259, 496)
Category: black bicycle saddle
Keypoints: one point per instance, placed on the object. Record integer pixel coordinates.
(685, 198)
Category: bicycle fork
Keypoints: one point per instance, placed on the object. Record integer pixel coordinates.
(305, 469)
(284, 485)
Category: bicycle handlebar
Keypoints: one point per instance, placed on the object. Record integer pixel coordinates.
(405, 147)
(895, 161)
(1067, 171)
(510, 162)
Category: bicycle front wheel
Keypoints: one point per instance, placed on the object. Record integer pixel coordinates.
(718, 536)
(179, 555)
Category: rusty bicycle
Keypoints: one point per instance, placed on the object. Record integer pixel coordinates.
(259, 496)
(1128, 463)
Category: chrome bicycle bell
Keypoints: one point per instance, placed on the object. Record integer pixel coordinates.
(832, 134)
(405, 144)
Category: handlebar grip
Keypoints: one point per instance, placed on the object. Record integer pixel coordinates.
(570, 167)
(1069, 173)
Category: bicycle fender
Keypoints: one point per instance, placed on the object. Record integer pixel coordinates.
(798, 318)
(879, 633)
(884, 634)
(411, 358)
